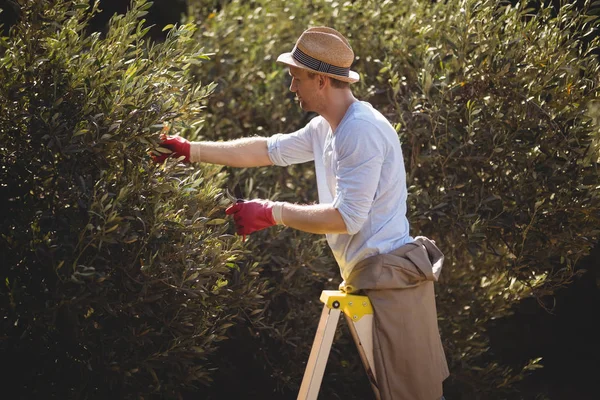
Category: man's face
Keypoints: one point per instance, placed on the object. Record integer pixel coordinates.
(306, 89)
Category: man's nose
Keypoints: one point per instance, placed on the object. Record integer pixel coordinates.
(293, 86)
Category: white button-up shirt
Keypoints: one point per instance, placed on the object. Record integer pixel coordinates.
(360, 171)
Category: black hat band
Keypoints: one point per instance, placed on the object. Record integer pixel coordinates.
(317, 65)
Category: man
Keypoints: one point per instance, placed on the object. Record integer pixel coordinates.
(362, 209)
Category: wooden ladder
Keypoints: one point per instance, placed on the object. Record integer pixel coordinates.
(359, 315)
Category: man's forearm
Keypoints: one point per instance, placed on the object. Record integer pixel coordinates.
(246, 152)
(318, 218)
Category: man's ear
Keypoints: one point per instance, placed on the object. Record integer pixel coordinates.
(323, 80)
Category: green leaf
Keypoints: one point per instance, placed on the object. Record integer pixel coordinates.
(192, 276)
(216, 221)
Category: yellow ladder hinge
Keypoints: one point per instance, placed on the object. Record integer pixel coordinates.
(354, 306)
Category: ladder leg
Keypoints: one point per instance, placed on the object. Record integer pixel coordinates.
(315, 368)
(362, 333)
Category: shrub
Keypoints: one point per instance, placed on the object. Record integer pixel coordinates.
(120, 277)
(491, 102)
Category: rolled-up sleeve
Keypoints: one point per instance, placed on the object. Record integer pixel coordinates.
(360, 157)
(291, 148)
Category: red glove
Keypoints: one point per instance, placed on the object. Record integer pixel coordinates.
(178, 145)
(251, 215)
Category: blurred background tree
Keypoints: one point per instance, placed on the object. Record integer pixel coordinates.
(477, 92)
(496, 106)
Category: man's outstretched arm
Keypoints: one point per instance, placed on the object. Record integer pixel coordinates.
(242, 153)
(254, 215)
(245, 152)
(317, 218)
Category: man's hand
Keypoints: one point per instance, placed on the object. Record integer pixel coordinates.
(176, 144)
(252, 215)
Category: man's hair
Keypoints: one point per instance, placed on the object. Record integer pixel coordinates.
(336, 83)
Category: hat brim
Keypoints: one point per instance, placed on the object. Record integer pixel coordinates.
(286, 58)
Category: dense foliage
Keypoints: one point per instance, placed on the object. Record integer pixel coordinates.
(121, 277)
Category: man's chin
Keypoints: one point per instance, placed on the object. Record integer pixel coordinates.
(303, 106)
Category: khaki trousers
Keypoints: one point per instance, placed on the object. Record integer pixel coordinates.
(410, 363)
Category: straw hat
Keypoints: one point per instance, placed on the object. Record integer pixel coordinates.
(323, 51)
